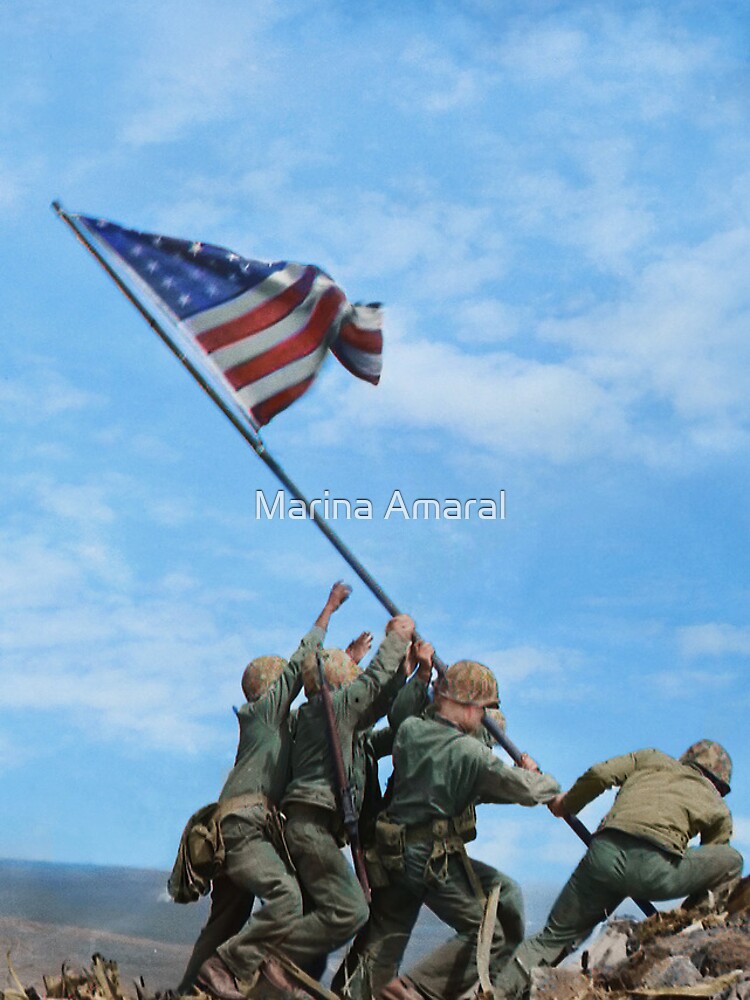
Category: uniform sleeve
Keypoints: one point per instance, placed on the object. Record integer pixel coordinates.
(718, 832)
(383, 701)
(277, 702)
(598, 778)
(381, 741)
(506, 785)
(412, 699)
(359, 697)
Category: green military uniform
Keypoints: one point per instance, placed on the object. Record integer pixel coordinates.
(440, 772)
(254, 865)
(314, 830)
(640, 850)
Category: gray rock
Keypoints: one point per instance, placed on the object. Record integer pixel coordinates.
(558, 984)
(675, 970)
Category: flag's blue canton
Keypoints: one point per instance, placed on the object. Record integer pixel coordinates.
(188, 277)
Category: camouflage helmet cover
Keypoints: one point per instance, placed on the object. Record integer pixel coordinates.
(469, 683)
(260, 674)
(711, 757)
(339, 668)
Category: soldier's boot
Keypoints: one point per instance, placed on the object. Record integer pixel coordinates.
(400, 989)
(712, 900)
(217, 979)
(740, 896)
(280, 982)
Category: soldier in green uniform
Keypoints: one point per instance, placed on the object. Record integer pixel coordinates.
(314, 829)
(254, 866)
(441, 770)
(640, 848)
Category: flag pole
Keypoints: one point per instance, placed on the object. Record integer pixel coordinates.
(242, 424)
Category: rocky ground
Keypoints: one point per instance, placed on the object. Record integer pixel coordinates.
(673, 954)
(677, 954)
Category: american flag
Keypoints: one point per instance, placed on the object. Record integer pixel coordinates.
(264, 328)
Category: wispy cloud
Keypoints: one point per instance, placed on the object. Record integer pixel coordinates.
(714, 639)
(195, 68)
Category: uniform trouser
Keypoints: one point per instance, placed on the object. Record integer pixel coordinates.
(615, 866)
(333, 896)
(252, 868)
(450, 969)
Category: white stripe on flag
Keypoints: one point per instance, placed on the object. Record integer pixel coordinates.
(269, 288)
(258, 343)
(277, 381)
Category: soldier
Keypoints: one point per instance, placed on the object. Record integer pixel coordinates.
(440, 772)
(314, 829)
(254, 865)
(640, 848)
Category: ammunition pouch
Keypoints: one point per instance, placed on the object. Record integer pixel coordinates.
(377, 873)
(390, 839)
(448, 836)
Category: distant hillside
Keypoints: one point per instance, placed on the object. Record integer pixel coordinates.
(50, 913)
(133, 901)
(130, 901)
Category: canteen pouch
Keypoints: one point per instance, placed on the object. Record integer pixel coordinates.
(391, 842)
(377, 874)
(465, 824)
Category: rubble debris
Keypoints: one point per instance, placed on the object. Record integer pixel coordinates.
(679, 954)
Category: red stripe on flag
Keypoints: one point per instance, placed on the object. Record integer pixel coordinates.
(299, 345)
(370, 341)
(260, 317)
(268, 409)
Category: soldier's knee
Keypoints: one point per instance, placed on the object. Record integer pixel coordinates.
(349, 917)
(735, 862)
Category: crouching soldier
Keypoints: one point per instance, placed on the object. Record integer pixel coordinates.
(640, 848)
(245, 826)
(440, 772)
(337, 906)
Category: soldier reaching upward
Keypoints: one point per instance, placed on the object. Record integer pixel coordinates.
(640, 849)
(440, 772)
(254, 864)
(314, 829)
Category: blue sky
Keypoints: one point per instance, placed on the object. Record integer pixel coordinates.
(551, 199)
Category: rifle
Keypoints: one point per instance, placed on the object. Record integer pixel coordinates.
(346, 798)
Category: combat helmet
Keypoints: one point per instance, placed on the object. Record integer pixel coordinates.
(469, 683)
(260, 674)
(339, 668)
(711, 758)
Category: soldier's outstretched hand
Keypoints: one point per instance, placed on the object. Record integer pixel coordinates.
(419, 657)
(402, 625)
(360, 647)
(340, 591)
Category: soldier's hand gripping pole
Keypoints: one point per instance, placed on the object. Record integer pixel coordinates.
(345, 796)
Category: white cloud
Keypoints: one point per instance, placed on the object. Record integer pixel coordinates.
(441, 83)
(714, 639)
(41, 394)
(694, 684)
(194, 68)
